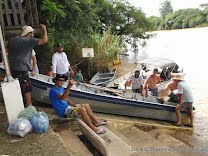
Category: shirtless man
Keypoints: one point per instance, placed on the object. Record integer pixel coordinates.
(151, 83)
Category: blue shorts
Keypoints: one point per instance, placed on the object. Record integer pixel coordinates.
(154, 91)
(136, 90)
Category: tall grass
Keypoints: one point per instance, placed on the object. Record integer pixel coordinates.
(106, 47)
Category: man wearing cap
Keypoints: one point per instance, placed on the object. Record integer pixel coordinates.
(151, 83)
(64, 107)
(185, 99)
(20, 55)
(60, 63)
(137, 82)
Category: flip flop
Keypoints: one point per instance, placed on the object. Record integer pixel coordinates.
(177, 124)
(102, 123)
(189, 126)
(104, 120)
(101, 131)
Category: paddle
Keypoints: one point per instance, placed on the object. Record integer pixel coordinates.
(10, 89)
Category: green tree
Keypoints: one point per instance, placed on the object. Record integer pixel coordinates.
(123, 18)
(184, 18)
(205, 10)
(77, 24)
(165, 9)
(155, 22)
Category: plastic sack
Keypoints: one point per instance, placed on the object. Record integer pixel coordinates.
(40, 122)
(19, 127)
(28, 112)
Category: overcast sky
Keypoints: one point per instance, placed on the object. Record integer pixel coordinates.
(151, 7)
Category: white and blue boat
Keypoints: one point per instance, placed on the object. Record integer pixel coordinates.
(105, 100)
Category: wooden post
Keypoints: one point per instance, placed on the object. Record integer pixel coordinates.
(29, 12)
(35, 13)
(22, 21)
(2, 19)
(14, 12)
(9, 23)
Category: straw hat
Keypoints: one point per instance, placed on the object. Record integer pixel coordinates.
(26, 29)
(178, 76)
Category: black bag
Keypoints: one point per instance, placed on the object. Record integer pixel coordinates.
(173, 98)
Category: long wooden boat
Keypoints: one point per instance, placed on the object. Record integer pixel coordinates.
(103, 78)
(105, 100)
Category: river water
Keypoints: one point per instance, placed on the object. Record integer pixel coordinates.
(188, 48)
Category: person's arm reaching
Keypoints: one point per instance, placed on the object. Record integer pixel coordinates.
(146, 87)
(34, 62)
(141, 90)
(44, 39)
(54, 64)
(65, 96)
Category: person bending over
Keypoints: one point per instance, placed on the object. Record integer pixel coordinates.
(185, 97)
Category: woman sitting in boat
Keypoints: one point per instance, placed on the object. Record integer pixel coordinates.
(137, 82)
(64, 107)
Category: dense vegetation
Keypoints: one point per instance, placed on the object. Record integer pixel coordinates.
(184, 18)
(102, 25)
(105, 26)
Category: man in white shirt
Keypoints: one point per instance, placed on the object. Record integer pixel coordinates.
(60, 63)
(185, 99)
(137, 82)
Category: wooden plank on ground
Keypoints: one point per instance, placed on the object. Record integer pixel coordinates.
(108, 143)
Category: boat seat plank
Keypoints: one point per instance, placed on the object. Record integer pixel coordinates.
(105, 78)
(106, 75)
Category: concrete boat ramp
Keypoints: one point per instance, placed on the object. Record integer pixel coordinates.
(133, 141)
(127, 137)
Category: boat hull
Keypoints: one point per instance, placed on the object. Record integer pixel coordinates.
(102, 79)
(111, 104)
(101, 100)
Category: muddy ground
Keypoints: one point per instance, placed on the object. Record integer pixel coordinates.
(32, 144)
